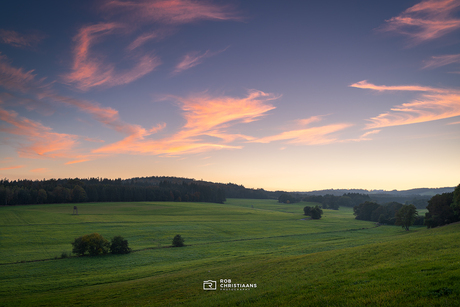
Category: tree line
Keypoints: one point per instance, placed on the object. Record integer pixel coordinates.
(442, 209)
(327, 201)
(77, 190)
(387, 213)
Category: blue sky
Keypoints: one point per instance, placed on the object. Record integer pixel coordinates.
(292, 95)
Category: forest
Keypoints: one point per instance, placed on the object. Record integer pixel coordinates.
(105, 190)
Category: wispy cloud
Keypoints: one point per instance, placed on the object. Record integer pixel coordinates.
(16, 39)
(380, 88)
(208, 119)
(309, 136)
(170, 12)
(15, 78)
(303, 135)
(442, 60)
(31, 104)
(42, 141)
(433, 104)
(142, 39)
(193, 59)
(11, 167)
(207, 114)
(426, 20)
(363, 137)
(90, 70)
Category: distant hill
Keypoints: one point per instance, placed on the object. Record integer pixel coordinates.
(158, 188)
(419, 192)
(418, 197)
(232, 190)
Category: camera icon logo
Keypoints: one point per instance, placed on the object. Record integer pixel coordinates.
(209, 285)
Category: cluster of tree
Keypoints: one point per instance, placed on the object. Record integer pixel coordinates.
(384, 214)
(330, 201)
(102, 190)
(94, 244)
(443, 209)
(419, 201)
(315, 212)
(288, 198)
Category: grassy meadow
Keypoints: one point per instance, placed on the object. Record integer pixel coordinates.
(335, 261)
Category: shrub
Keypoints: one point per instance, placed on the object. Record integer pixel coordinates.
(119, 246)
(93, 243)
(65, 255)
(178, 241)
(316, 213)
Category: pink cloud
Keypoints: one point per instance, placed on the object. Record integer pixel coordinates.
(30, 104)
(414, 88)
(11, 167)
(363, 137)
(309, 136)
(42, 141)
(16, 39)
(426, 20)
(193, 59)
(442, 60)
(206, 116)
(148, 36)
(302, 135)
(14, 78)
(433, 104)
(172, 12)
(90, 71)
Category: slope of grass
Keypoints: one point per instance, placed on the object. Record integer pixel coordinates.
(335, 261)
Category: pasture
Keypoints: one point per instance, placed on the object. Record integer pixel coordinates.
(335, 261)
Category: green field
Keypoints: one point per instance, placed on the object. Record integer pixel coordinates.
(335, 261)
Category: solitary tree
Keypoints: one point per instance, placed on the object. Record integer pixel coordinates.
(178, 241)
(119, 246)
(405, 216)
(316, 213)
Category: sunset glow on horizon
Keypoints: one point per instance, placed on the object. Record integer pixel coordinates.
(294, 96)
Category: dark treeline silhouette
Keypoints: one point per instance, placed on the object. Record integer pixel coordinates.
(238, 191)
(106, 190)
(383, 214)
(443, 209)
(231, 190)
(288, 198)
(329, 201)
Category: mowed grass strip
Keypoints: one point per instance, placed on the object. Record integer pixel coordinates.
(45, 231)
(418, 269)
(293, 261)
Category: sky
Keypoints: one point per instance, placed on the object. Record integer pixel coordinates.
(279, 95)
